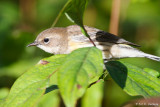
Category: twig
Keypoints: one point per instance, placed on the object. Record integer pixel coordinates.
(93, 83)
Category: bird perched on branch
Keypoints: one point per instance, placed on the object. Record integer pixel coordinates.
(61, 40)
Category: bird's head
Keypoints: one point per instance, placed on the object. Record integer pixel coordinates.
(52, 40)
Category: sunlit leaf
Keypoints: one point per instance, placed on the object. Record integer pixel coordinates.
(27, 89)
(51, 99)
(94, 95)
(152, 72)
(133, 80)
(75, 9)
(81, 67)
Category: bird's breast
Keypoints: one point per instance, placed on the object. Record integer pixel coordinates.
(73, 45)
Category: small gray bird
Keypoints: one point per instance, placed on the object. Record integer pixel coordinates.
(61, 40)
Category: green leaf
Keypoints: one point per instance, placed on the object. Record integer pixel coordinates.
(51, 99)
(75, 9)
(94, 95)
(152, 72)
(81, 67)
(27, 89)
(133, 80)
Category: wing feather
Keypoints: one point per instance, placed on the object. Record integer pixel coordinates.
(102, 36)
(96, 35)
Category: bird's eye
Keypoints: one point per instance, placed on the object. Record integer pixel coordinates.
(46, 40)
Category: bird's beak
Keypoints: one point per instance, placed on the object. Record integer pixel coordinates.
(33, 44)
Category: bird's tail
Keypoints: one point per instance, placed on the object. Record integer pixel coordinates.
(156, 58)
(116, 51)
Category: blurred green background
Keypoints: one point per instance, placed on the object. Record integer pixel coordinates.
(22, 20)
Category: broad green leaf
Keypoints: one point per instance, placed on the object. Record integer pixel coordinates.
(74, 10)
(94, 95)
(152, 72)
(28, 88)
(133, 80)
(81, 67)
(51, 99)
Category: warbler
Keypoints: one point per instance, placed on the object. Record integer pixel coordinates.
(63, 40)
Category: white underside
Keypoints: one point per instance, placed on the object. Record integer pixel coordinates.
(110, 50)
(48, 49)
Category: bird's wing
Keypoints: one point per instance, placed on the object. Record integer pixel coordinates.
(96, 35)
(102, 36)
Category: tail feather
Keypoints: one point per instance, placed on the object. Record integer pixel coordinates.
(117, 51)
(156, 58)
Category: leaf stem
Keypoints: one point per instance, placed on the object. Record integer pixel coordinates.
(86, 34)
(94, 83)
(59, 15)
